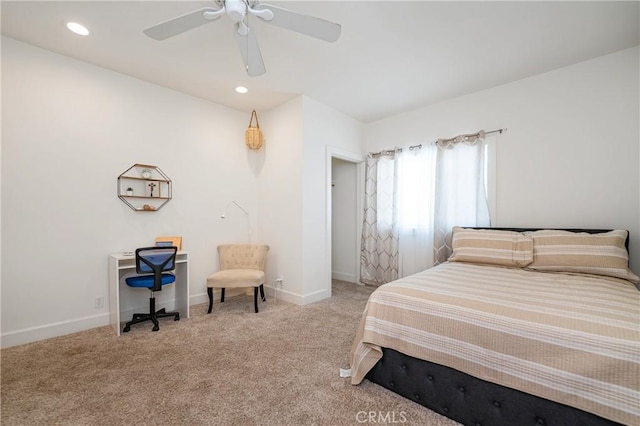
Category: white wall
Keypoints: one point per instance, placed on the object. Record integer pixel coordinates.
(292, 187)
(324, 128)
(570, 156)
(68, 130)
(345, 217)
(280, 201)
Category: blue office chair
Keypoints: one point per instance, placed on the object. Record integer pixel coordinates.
(155, 263)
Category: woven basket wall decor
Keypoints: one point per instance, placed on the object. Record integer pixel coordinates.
(253, 135)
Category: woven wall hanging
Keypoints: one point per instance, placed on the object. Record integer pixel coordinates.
(253, 135)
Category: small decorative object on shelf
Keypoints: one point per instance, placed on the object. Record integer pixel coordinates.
(144, 188)
(151, 186)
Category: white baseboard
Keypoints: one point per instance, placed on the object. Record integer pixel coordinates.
(33, 334)
(344, 276)
(297, 299)
(48, 331)
(198, 299)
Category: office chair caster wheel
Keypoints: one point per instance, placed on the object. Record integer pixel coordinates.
(126, 329)
(156, 328)
(177, 318)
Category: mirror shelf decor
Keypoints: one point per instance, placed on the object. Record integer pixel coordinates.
(144, 187)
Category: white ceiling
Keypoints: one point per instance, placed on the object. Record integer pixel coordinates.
(392, 56)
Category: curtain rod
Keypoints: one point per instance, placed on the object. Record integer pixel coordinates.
(419, 146)
(501, 131)
(461, 138)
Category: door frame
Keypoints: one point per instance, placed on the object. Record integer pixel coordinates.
(358, 160)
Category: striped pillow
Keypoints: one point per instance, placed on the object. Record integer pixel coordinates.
(580, 252)
(493, 247)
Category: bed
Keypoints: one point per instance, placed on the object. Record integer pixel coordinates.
(519, 327)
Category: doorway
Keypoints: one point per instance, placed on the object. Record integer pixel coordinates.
(345, 188)
(344, 262)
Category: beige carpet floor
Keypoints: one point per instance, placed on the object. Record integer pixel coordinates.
(232, 367)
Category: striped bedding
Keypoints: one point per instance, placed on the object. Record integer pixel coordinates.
(573, 339)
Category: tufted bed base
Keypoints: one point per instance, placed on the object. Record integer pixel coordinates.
(469, 400)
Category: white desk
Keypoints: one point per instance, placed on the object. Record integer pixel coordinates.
(124, 300)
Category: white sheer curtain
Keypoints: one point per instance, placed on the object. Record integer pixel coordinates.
(460, 194)
(379, 252)
(416, 191)
(414, 198)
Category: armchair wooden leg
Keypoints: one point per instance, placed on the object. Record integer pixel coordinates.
(262, 292)
(210, 294)
(222, 296)
(255, 298)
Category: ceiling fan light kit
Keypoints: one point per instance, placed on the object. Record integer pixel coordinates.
(239, 11)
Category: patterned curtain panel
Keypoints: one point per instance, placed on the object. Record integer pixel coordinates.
(379, 253)
(460, 194)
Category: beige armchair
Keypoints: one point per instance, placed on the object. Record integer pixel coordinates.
(241, 265)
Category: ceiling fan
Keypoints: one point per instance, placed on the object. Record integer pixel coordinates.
(239, 11)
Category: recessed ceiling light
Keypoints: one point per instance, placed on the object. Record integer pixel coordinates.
(241, 89)
(77, 28)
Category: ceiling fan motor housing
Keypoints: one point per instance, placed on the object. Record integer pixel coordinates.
(236, 9)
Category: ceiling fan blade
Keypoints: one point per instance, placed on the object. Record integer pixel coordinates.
(249, 49)
(304, 24)
(175, 26)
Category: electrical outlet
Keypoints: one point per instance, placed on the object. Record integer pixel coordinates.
(99, 302)
(279, 280)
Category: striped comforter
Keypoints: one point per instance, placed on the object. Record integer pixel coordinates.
(574, 339)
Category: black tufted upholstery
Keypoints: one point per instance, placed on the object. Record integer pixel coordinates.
(469, 400)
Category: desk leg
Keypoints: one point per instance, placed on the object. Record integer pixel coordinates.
(182, 289)
(114, 295)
